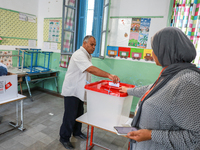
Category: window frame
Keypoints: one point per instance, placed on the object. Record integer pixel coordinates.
(73, 31)
(102, 50)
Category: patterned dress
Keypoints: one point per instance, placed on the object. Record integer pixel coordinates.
(172, 113)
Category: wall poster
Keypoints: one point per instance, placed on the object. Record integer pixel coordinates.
(144, 32)
(128, 39)
(26, 17)
(54, 26)
(139, 32)
(134, 32)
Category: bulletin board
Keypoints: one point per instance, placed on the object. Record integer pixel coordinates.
(16, 32)
(47, 43)
(121, 29)
(130, 37)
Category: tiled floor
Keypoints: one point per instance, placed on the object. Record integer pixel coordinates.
(42, 120)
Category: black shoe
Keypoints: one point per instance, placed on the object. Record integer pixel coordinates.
(1, 118)
(82, 136)
(67, 145)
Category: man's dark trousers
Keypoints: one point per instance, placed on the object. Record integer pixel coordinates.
(73, 109)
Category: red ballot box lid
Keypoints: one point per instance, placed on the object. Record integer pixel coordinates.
(104, 87)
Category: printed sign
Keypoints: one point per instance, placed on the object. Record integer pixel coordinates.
(54, 26)
(26, 17)
(8, 85)
(2, 87)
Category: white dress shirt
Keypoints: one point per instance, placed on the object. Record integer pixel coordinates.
(76, 75)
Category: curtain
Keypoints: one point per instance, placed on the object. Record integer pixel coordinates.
(186, 16)
(97, 23)
(6, 59)
(64, 60)
(69, 24)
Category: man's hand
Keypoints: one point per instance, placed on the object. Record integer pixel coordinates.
(114, 78)
(140, 135)
(98, 72)
(123, 89)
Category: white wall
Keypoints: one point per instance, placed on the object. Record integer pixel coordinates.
(131, 8)
(25, 6)
(41, 8)
(139, 7)
(47, 9)
(53, 9)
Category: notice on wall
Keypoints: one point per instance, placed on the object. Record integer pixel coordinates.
(26, 17)
(32, 43)
(54, 46)
(132, 32)
(54, 26)
(46, 45)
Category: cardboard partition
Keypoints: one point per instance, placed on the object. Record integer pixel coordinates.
(8, 87)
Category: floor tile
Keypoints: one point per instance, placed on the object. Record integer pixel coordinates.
(9, 143)
(47, 140)
(18, 146)
(42, 119)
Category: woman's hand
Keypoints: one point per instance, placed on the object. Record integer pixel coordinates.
(140, 135)
(123, 89)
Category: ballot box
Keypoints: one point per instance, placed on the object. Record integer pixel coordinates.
(106, 105)
(8, 87)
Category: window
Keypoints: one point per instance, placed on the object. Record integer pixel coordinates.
(100, 28)
(77, 23)
(82, 22)
(104, 31)
(69, 26)
(90, 15)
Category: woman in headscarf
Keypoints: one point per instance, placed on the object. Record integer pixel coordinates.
(168, 113)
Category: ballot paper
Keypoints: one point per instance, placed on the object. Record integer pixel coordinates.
(114, 84)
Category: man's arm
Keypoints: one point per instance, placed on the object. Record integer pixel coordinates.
(98, 72)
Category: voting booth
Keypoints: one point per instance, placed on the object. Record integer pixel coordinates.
(106, 105)
(8, 87)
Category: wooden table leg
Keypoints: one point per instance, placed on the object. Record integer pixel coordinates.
(20, 84)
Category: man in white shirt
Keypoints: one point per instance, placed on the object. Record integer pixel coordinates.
(78, 73)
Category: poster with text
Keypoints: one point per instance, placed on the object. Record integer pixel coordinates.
(26, 17)
(134, 32)
(54, 26)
